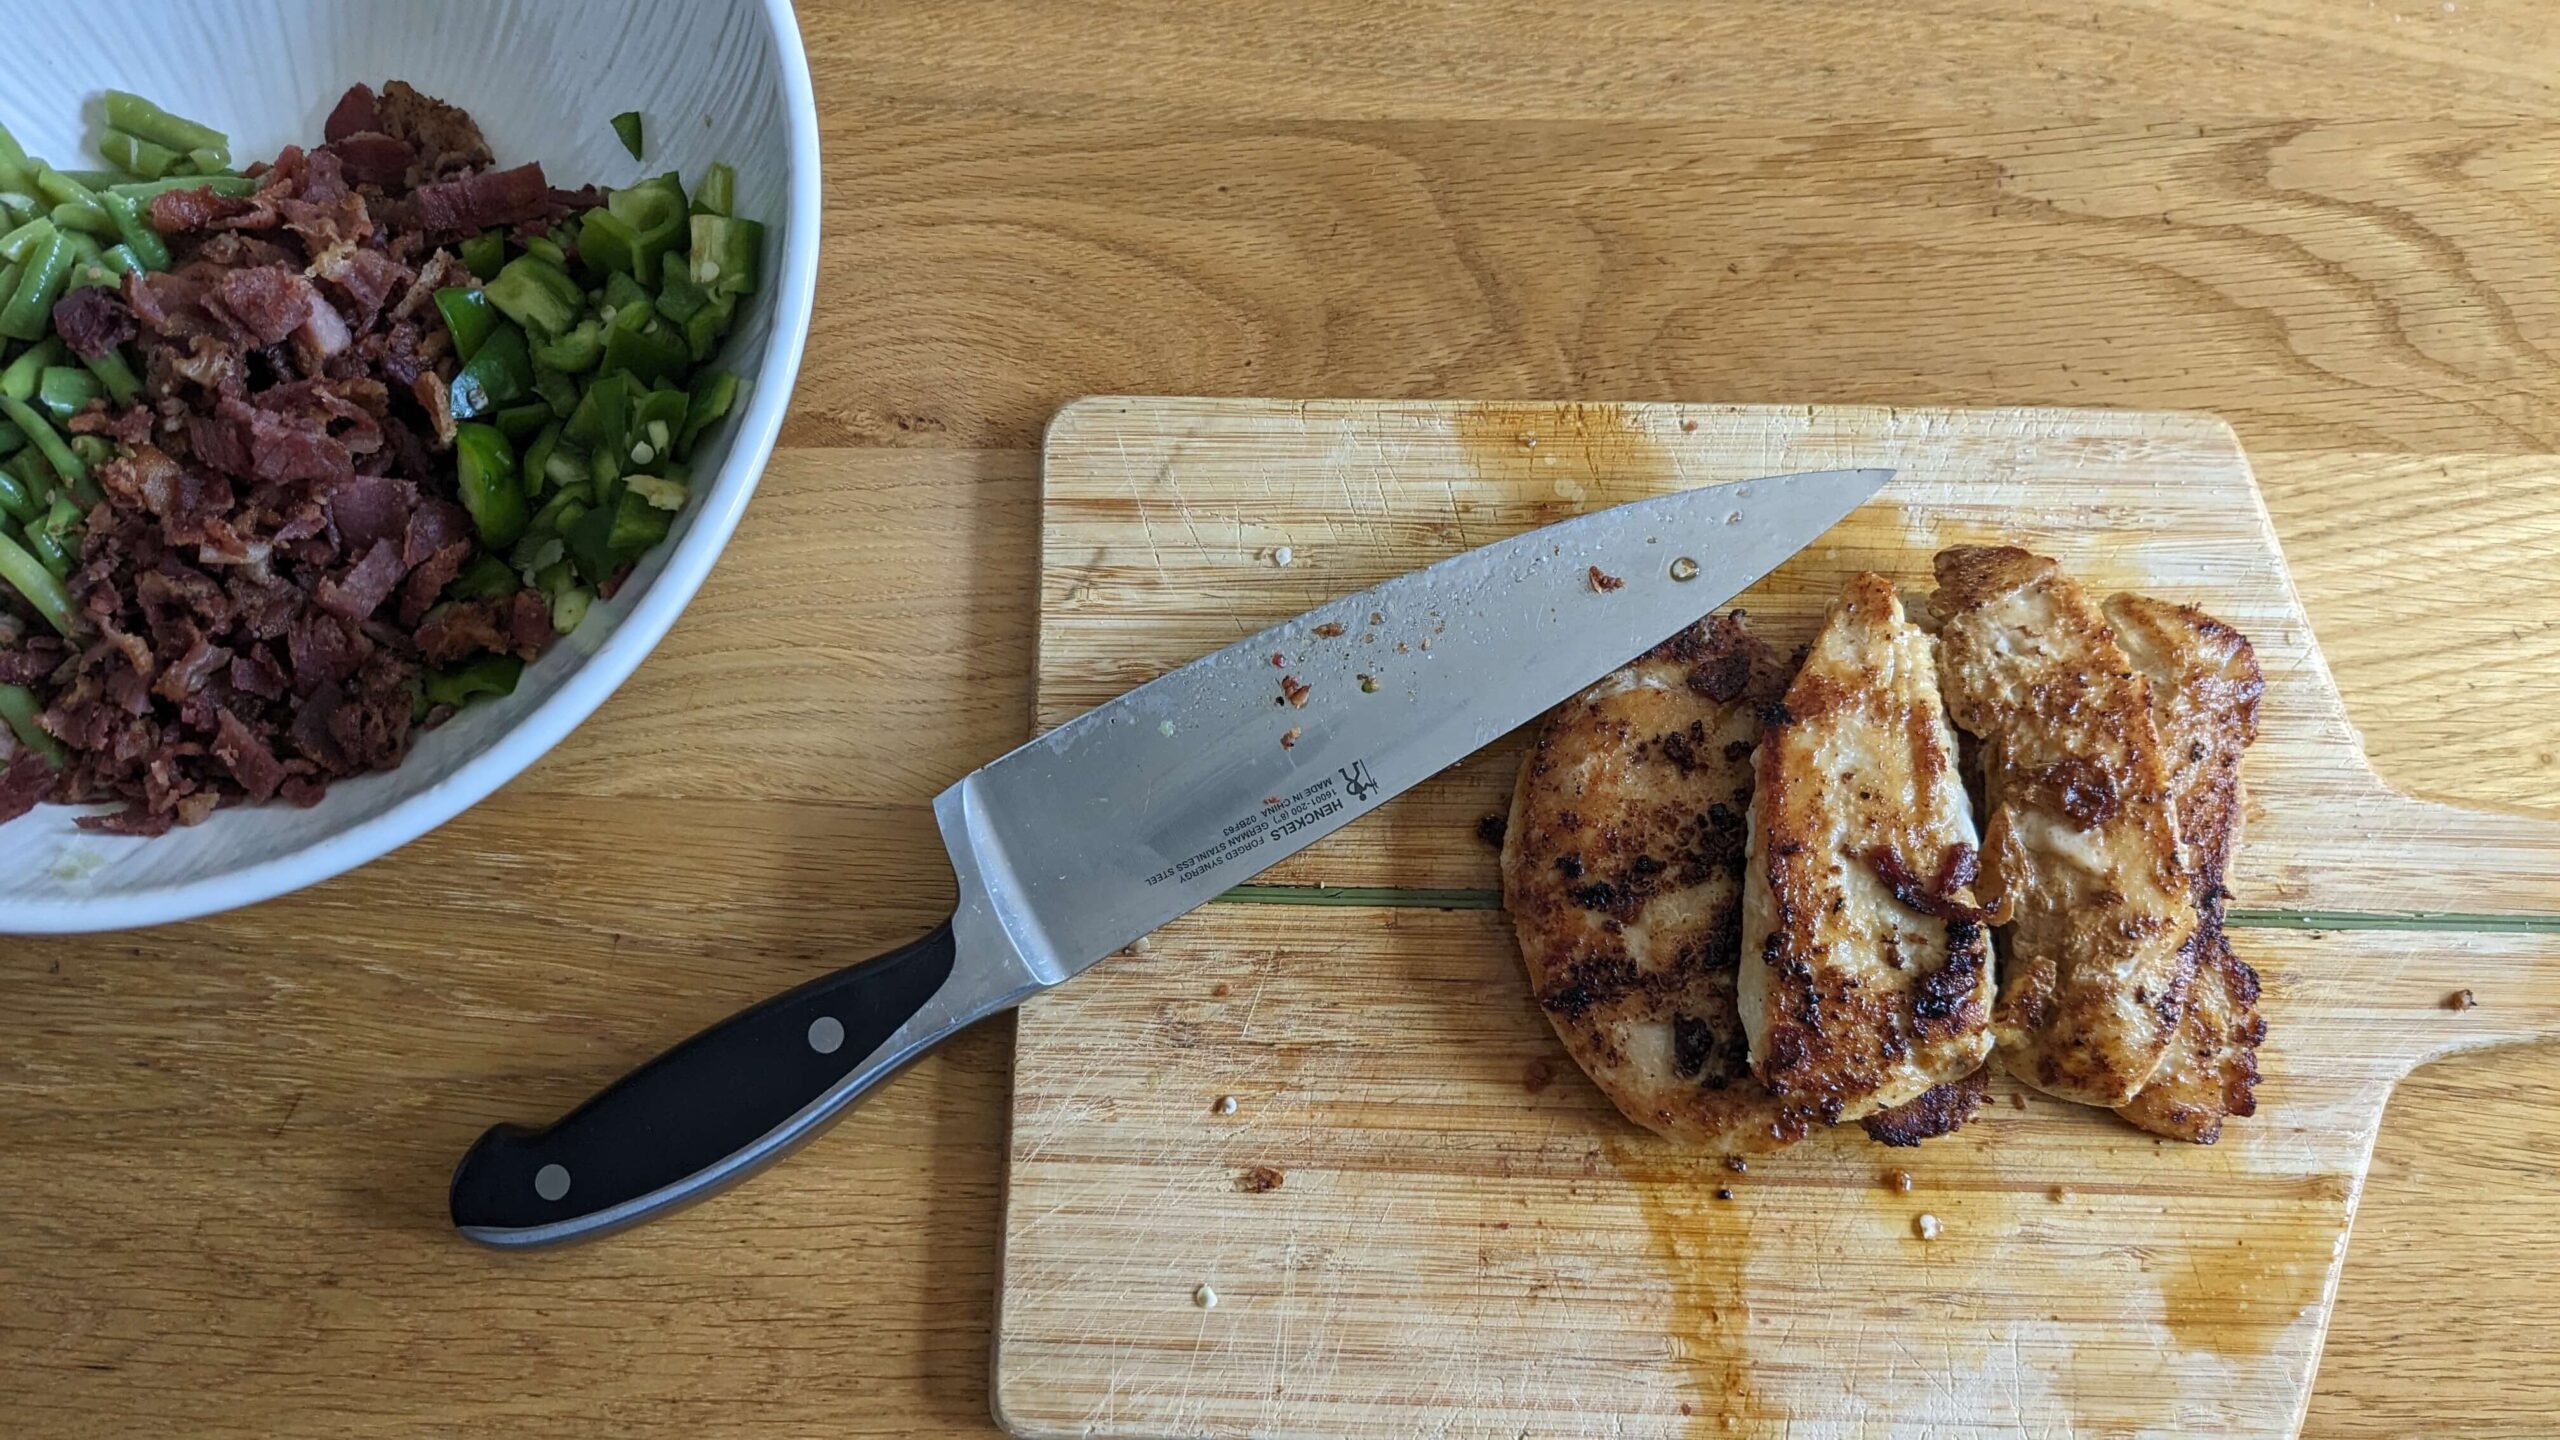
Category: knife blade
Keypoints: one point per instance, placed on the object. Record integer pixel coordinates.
(1144, 808)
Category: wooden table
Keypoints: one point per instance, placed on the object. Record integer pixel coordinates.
(223, 1145)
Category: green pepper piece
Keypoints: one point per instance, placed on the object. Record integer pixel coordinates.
(718, 192)
(64, 391)
(713, 392)
(606, 241)
(136, 156)
(480, 675)
(702, 333)
(627, 126)
(520, 423)
(558, 389)
(603, 416)
(536, 294)
(590, 542)
(623, 294)
(569, 608)
(724, 254)
(573, 350)
(648, 352)
(679, 299)
(486, 578)
(468, 316)
(483, 255)
(535, 471)
(637, 525)
(135, 229)
(657, 419)
(500, 374)
(485, 474)
(654, 212)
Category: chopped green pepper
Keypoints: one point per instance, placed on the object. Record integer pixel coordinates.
(650, 351)
(485, 474)
(64, 390)
(483, 254)
(500, 374)
(481, 675)
(702, 333)
(622, 295)
(468, 316)
(569, 607)
(627, 126)
(520, 423)
(486, 578)
(573, 350)
(603, 416)
(536, 294)
(606, 241)
(535, 472)
(558, 388)
(718, 192)
(724, 254)
(713, 392)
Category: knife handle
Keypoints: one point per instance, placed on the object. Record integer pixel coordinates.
(717, 1107)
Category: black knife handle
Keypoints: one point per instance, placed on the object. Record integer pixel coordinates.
(711, 1111)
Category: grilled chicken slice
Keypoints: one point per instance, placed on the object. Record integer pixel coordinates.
(2081, 843)
(1941, 1110)
(1622, 870)
(1866, 968)
(2204, 698)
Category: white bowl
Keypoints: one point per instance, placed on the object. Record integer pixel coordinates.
(714, 79)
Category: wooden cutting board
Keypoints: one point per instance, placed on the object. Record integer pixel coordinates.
(1419, 1219)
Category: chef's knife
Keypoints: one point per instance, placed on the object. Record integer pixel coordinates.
(1144, 808)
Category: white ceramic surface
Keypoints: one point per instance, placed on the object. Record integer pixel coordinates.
(715, 79)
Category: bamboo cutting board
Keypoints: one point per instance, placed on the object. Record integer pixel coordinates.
(1419, 1219)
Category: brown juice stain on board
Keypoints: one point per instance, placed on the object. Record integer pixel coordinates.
(1702, 1244)
(1556, 461)
(2237, 1297)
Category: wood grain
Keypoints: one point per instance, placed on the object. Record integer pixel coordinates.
(1024, 206)
(1163, 525)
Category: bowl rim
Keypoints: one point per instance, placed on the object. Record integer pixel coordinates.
(688, 563)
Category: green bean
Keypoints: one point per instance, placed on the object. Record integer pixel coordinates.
(95, 178)
(218, 184)
(27, 575)
(18, 382)
(22, 242)
(9, 272)
(93, 450)
(12, 440)
(50, 552)
(136, 156)
(19, 708)
(17, 207)
(65, 391)
(139, 238)
(116, 375)
(75, 475)
(15, 173)
(86, 219)
(17, 502)
(30, 310)
(69, 194)
(140, 118)
(120, 260)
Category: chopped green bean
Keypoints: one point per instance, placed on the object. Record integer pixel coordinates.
(140, 239)
(12, 440)
(50, 552)
(120, 260)
(65, 391)
(18, 707)
(210, 159)
(93, 450)
(24, 241)
(17, 501)
(27, 575)
(27, 313)
(13, 163)
(116, 375)
(627, 126)
(136, 156)
(138, 117)
(74, 473)
(74, 204)
(18, 382)
(92, 179)
(218, 184)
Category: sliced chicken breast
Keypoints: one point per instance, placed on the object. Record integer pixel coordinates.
(2081, 843)
(2204, 697)
(1866, 968)
(1622, 870)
